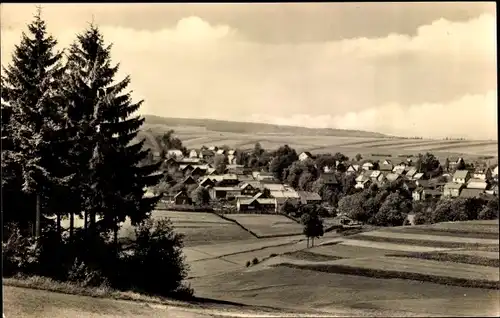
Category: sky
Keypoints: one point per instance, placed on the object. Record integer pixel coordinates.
(406, 69)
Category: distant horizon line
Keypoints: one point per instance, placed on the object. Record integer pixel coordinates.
(318, 128)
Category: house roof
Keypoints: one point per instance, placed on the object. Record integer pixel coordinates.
(309, 196)
(329, 178)
(285, 194)
(368, 164)
(453, 185)
(392, 176)
(375, 174)
(180, 193)
(461, 174)
(432, 192)
(418, 175)
(423, 183)
(174, 151)
(205, 180)
(471, 193)
(224, 177)
(386, 167)
(227, 188)
(266, 201)
(307, 153)
(411, 172)
(274, 186)
(477, 184)
(206, 152)
(220, 151)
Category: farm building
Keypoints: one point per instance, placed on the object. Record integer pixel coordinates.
(454, 162)
(418, 176)
(256, 204)
(213, 148)
(363, 182)
(305, 155)
(189, 180)
(452, 189)
(226, 193)
(352, 169)
(387, 162)
(421, 194)
(225, 180)
(198, 172)
(186, 168)
(461, 176)
(274, 186)
(409, 186)
(309, 197)
(231, 159)
(182, 198)
(392, 177)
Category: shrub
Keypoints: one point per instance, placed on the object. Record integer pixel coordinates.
(248, 264)
(20, 253)
(85, 276)
(154, 263)
(255, 261)
(422, 218)
(273, 255)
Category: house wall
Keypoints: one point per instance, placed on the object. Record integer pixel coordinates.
(416, 196)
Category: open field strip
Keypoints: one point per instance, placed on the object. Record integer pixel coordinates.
(390, 246)
(421, 266)
(452, 145)
(267, 225)
(450, 256)
(365, 141)
(421, 143)
(484, 254)
(401, 143)
(467, 227)
(444, 232)
(436, 238)
(349, 251)
(346, 295)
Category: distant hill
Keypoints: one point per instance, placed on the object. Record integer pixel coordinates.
(252, 128)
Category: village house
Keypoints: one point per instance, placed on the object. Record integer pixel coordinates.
(186, 168)
(409, 186)
(221, 152)
(206, 154)
(493, 190)
(452, 189)
(189, 181)
(207, 182)
(329, 179)
(387, 162)
(363, 182)
(182, 198)
(248, 189)
(305, 155)
(418, 176)
(262, 176)
(193, 153)
(386, 167)
(461, 176)
(213, 148)
(175, 153)
(198, 172)
(256, 204)
(352, 169)
(307, 197)
(411, 173)
(391, 177)
(231, 159)
(367, 166)
(454, 162)
(225, 180)
(422, 194)
(224, 193)
(483, 173)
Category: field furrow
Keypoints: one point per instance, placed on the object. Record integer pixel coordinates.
(427, 237)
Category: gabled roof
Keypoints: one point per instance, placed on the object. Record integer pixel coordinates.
(423, 183)
(309, 196)
(227, 188)
(461, 174)
(368, 164)
(180, 193)
(190, 179)
(285, 194)
(477, 184)
(375, 174)
(307, 153)
(274, 186)
(220, 151)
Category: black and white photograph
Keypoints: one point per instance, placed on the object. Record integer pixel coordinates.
(271, 159)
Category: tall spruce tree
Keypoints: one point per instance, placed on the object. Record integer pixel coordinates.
(31, 126)
(100, 113)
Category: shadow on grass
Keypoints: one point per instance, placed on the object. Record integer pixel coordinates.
(454, 258)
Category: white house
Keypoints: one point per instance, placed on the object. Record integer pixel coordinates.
(174, 153)
(193, 154)
(477, 184)
(305, 155)
(461, 176)
(367, 166)
(482, 173)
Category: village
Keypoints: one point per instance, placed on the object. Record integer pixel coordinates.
(242, 189)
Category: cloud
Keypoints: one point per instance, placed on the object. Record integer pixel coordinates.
(399, 84)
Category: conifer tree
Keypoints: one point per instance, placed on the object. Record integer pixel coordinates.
(31, 126)
(100, 112)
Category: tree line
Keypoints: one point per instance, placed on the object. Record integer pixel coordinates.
(70, 151)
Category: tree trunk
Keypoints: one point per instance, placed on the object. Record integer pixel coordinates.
(71, 224)
(85, 220)
(58, 224)
(38, 215)
(313, 241)
(308, 242)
